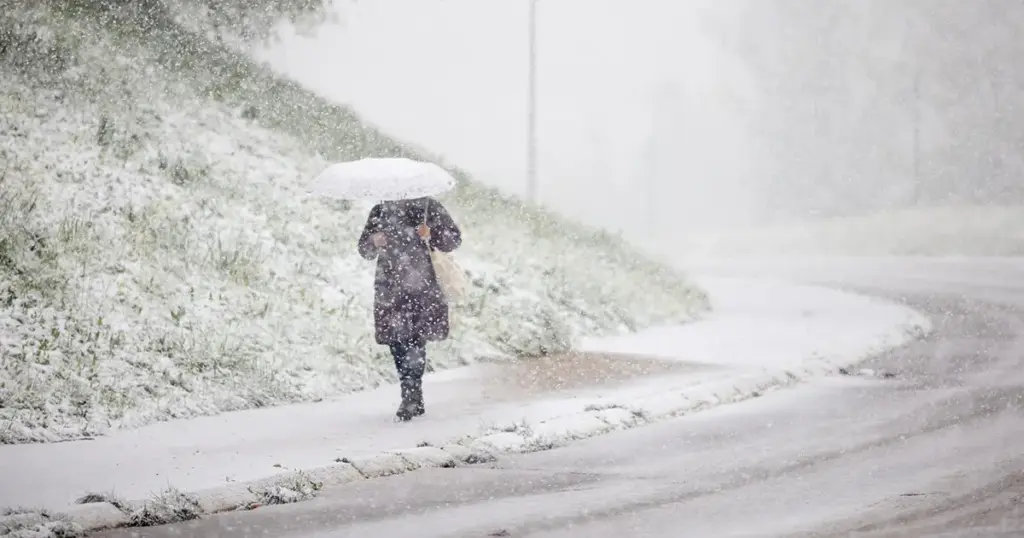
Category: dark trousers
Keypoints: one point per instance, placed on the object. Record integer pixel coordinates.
(411, 362)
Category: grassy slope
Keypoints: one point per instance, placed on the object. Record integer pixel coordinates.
(158, 258)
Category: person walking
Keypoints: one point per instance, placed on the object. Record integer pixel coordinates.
(409, 308)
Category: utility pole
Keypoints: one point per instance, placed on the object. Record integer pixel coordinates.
(915, 156)
(913, 36)
(662, 142)
(531, 114)
(657, 174)
(654, 157)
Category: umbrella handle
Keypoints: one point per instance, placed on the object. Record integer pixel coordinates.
(426, 211)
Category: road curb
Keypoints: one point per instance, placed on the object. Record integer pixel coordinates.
(595, 419)
(102, 515)
(226, 498)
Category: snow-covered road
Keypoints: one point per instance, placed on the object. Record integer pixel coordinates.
(934, 451)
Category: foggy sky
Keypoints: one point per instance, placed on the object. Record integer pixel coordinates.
(637, 107)
(663, 117)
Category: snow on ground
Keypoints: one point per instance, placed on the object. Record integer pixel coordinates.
(929, 231)
(158, 257)
(464, 405)
(789, 323)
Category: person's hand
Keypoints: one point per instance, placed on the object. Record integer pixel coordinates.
(378, 239)
(423, 231)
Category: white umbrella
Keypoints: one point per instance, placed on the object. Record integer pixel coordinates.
(381, 179)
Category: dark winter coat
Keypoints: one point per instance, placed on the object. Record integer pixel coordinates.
(408, 304)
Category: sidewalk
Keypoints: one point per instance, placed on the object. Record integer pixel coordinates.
(761, 336)
(205, 452)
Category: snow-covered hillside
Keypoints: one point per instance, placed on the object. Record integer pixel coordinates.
(158, 257)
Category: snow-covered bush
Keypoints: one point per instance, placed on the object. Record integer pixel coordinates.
(28, 523)
(169, 506)
(159, 257)
(292, 489)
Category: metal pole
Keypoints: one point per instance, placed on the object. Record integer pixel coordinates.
(653, 174)
(660, 98)
(916, 155)
(531, 115)
(913, 35)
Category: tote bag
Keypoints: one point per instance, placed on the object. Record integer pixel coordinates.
(450, 275)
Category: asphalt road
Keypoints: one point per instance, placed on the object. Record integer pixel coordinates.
(936, 450)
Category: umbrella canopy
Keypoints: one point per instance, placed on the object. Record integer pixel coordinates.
(382, 179)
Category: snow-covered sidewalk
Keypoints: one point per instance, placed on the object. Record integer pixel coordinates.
(761, 336)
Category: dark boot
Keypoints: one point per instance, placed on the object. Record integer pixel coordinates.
(410, 361)
(417, 397)
(407, 409)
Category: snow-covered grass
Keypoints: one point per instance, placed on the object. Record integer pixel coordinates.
(931, 231)
(26, 523)
(111, 498)
(296, 488)
(158, 257)
(169, 506)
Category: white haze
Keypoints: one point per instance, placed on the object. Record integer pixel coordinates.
(451, 76)
(658, 118)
